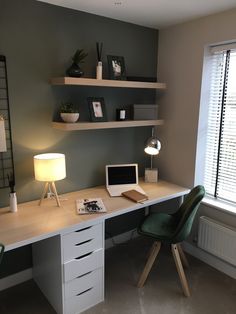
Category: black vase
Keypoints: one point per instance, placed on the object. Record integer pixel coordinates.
(74, 71)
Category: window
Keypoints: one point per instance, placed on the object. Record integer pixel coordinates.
(220, 163)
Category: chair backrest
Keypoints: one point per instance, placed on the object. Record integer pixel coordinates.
(186, 213)
(1, 251)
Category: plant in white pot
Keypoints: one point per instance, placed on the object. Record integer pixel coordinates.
(68, 113)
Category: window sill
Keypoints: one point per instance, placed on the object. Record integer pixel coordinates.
(220, 205)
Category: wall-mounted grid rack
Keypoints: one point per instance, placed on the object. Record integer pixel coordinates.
(6, 158)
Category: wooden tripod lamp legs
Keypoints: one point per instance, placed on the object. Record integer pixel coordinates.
(50, 186)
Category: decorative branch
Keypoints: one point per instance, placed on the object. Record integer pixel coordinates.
(11, 181)
(99, 51)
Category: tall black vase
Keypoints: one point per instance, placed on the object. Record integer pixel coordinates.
(74, 71)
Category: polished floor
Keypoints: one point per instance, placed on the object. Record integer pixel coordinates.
(212, 291)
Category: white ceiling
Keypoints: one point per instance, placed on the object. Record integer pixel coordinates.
(151, 13)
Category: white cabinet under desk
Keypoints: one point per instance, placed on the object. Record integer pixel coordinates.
(69, 268)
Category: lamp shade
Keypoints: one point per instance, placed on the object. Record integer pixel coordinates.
(49, 167)
(153, 146)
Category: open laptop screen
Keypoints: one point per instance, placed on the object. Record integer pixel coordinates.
(122, 174)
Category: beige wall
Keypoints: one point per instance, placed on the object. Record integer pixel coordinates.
(180, 64)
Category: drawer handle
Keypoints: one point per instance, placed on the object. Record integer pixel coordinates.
(85, 274)
(84, 291)
(82, 256)
(81, 243)
(83, 229)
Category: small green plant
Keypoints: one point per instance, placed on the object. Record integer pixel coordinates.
(68, 108)
(79, 56)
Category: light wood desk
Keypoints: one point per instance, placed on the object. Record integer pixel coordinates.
(68, 249)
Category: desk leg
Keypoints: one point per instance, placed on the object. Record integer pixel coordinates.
(147, 210)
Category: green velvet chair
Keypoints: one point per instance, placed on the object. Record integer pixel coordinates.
(1, 251)
(171, 229)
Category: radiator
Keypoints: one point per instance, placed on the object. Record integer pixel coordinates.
(217, 239)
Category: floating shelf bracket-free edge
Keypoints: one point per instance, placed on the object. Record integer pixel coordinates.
(79, 126)
(106, 83)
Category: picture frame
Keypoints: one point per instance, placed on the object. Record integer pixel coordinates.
(97, 109)
(116, 67)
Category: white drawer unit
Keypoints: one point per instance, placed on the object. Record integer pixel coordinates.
(72, 279)
(83, 268)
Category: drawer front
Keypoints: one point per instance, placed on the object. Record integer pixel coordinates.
(84, 282)
(81, 242)
(83, 265)
(84, 300)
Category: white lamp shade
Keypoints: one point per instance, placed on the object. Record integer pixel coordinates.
(49, 167)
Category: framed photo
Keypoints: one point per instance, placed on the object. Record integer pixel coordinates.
(97, 109)
(116, 66)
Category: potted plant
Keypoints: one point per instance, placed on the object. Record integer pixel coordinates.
(78, 58)
(69, 113)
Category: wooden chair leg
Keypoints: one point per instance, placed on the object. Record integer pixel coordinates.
(153, 254)
(179, 266)
(182, 256)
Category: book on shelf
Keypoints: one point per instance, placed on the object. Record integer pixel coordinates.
(135, 196)
(90, 206)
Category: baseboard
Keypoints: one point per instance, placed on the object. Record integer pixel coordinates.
(15, 279)
(121, 238)
(213, 261)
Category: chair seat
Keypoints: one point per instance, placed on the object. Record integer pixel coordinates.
(160, 226)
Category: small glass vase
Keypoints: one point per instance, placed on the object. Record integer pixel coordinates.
(74, 71)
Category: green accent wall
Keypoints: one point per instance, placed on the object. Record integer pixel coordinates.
(38, 41)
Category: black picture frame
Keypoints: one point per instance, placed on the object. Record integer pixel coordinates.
(116, 67)
(97, 109)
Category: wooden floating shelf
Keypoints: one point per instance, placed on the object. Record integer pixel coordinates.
(79, 126)
(105, 83)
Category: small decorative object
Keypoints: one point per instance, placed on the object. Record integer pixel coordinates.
(99, 65)
(152, 147)
(120, 114)
(145, 112)
(97, 109)
(13, 198)
(90, 206)
(116, 66)
(68, 113)
(74, 70)
(3, 144)
(49, 168)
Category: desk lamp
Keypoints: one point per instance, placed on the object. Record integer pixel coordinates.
(152, 147)
(49, 168)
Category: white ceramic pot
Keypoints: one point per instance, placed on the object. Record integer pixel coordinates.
(70, 117)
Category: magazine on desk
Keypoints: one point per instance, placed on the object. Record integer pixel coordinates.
(90, 206)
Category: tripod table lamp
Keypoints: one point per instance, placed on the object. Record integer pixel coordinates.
(49, 168)
(152, 147)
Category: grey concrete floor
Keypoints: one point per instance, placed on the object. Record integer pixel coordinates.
(212, 291)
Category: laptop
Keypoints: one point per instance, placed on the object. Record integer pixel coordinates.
(121, 178)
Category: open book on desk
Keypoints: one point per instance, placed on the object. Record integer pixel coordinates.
(135, 196)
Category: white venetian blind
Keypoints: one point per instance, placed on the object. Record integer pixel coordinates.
(220, 166)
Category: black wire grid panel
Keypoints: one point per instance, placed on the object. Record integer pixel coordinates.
(6, 158)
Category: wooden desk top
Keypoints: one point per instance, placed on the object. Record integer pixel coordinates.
(34, 223)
